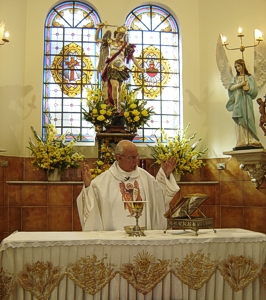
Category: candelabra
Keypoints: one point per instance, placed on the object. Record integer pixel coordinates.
(258, 39)
(4, 35)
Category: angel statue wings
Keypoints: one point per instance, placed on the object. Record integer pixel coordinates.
(114, 55)
(242, 89)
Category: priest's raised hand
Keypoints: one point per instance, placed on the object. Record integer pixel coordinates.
(169, 165)
(86, 175)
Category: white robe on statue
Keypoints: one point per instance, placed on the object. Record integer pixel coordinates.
(101, 206)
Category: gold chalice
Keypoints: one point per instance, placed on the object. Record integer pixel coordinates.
(137, 208)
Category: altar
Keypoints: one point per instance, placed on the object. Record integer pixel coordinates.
(226, 265)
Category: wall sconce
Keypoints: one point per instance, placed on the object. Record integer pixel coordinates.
(4, 35)
(258, 39)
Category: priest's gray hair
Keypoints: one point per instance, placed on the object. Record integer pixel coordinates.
(119, 149)
(122, 146)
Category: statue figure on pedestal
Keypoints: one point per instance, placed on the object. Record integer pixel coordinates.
(114, 55)
(242, 89)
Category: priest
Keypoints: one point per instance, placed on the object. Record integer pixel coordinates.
(102, 202)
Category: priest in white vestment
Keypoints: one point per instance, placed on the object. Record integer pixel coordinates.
(101, 203)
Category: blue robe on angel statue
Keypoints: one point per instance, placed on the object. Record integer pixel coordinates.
(242, 90)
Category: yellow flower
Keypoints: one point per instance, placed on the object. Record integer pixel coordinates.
(136, 119)
(89, 92)
(97, 106)
(133, 105)
(102, 111)
(135, 112)
(101, 118)
(126, 114)
(145, 113)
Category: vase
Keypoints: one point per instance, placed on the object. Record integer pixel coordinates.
(177, 176)
(54, 176)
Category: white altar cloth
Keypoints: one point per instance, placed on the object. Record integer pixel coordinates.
(125, 253)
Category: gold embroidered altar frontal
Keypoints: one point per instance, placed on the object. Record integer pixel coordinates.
(227, 265)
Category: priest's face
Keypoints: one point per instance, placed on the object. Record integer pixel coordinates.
(129, 160)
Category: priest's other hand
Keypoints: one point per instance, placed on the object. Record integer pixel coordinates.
(86, 175)
(169, 165)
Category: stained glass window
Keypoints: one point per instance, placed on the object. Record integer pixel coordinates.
(154, 31)
(69, 65)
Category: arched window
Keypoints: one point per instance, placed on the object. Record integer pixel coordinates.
(154, 31)
(69, 65)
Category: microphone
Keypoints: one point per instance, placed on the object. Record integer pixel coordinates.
(126, 178)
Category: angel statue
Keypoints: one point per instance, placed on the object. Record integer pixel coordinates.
(114, 55)
(242, 89)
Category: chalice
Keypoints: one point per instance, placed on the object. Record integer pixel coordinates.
(137, 208)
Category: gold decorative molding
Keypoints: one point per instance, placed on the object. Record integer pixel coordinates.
(195, 269)
(238, 271)
(91, 274)
(40, 279)
(144, 273)
(263, 276)
(7, 284)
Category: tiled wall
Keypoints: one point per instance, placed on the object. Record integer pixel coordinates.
(233, 202)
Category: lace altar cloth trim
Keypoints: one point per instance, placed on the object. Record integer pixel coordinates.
(120, 238)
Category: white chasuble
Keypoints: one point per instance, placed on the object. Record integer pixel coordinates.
(101, 204)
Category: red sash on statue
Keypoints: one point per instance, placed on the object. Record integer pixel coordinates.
(109, 60)
(105, 72)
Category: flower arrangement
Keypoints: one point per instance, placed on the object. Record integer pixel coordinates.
(107, 157)
(100, 113)
(52, 152)
(188, 159)
(135, 111)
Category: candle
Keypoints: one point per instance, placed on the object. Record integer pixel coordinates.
(258, 34)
